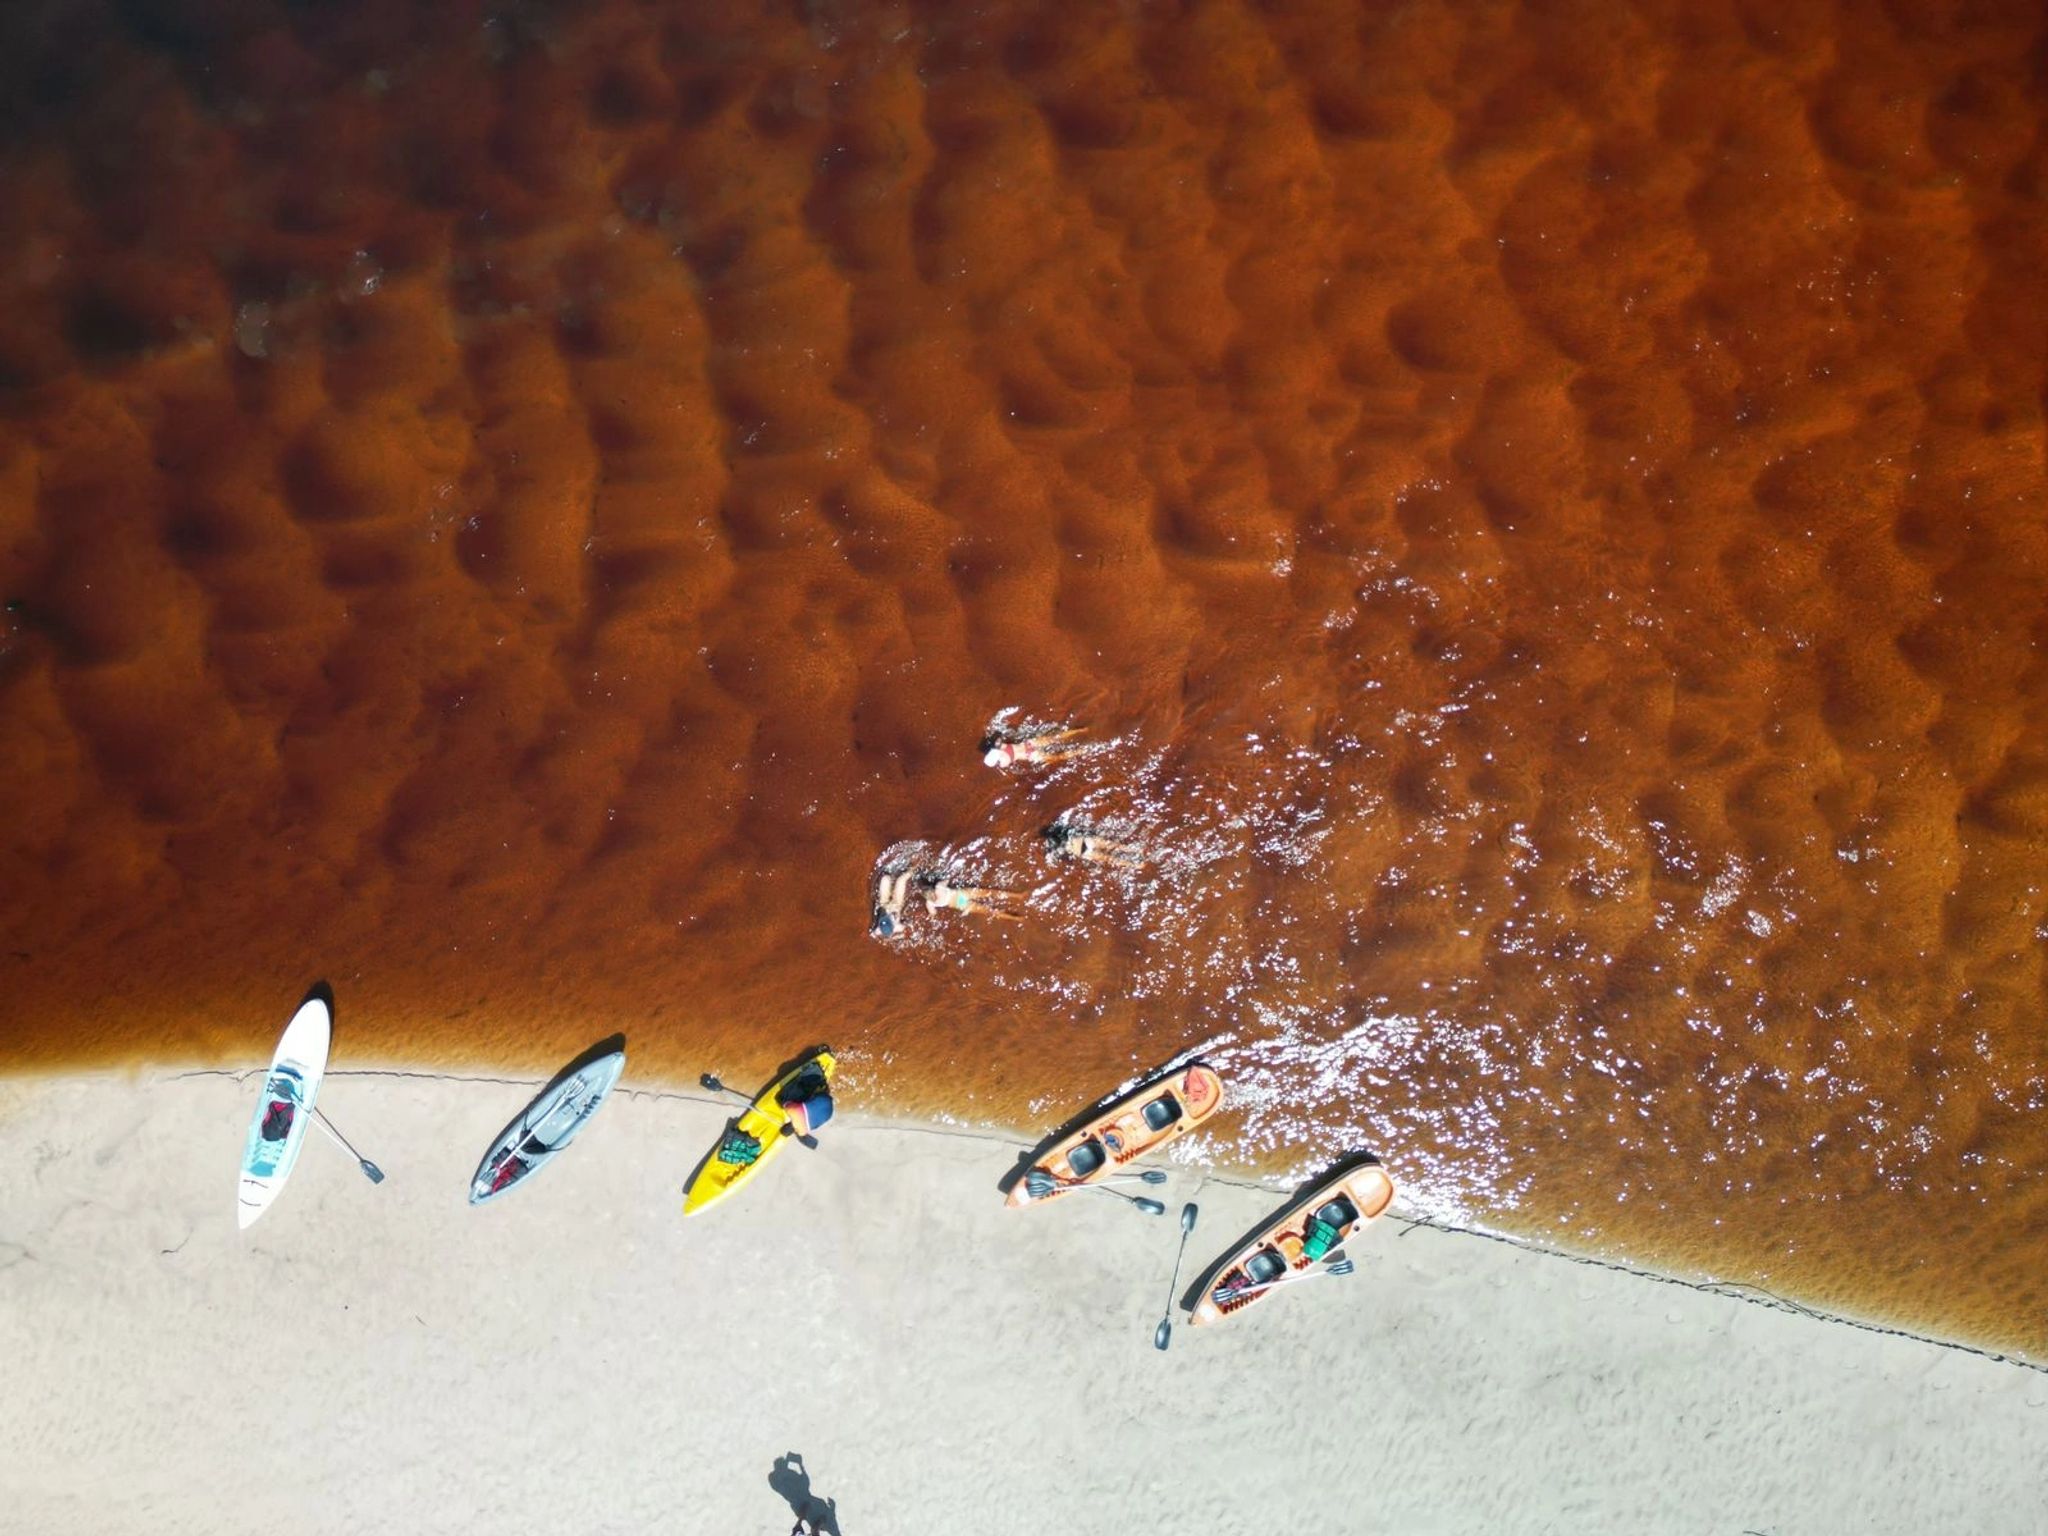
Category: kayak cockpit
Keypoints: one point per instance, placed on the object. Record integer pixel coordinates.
(1265, 1266)
(1087, 1159)
(1162, 1112)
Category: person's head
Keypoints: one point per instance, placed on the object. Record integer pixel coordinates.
(1056, 837)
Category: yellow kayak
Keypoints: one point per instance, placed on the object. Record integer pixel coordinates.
(751, 1139)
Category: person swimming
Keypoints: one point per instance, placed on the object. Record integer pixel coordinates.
(891, 891)
(1068, 840)
(1007, 749)
(940, 895)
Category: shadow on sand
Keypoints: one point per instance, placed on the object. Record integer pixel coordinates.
(791, 1481)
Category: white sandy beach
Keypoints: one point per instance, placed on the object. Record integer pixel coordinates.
(577, 1358)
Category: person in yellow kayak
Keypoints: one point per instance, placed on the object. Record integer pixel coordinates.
(806, 1102)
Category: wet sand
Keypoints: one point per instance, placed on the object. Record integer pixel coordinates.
(389, 1359)
(515, 510)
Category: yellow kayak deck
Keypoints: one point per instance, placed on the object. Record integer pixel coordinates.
(728, 1165)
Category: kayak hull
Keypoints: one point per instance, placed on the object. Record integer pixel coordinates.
(763, 1123)
(539, 1132)
(1142, 1121)
(284, 1110)
(1275, 1250)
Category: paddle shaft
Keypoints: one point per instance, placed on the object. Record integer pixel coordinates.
(1238, 1293)
(1042, 1186)
(1187, 1226)
(370, 1170)
(1179, 1254)
(708, 1081)
(1162, 1336)
(1149, 1207)
(1058, 1186)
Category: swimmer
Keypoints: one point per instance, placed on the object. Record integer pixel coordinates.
(1065, 840)
(1001, 749)
(941, 896)
(891, 891)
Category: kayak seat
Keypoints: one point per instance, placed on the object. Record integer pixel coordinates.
(1087, 1158)
(1162, 1112)
(1340, 1212)
(1264, 1266)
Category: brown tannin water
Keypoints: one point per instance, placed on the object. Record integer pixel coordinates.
(522, 510)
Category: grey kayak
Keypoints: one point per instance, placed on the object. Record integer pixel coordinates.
(545, 1126)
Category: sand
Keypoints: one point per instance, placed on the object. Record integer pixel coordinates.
(386, 1359)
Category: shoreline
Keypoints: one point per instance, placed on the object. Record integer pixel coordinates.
(1003, 1140)
(386, 1357)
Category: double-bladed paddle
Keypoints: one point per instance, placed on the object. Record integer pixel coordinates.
(787, 1128)
(1040, 1184)
(1163, 1334)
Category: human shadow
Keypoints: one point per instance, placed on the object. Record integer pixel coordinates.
(791, 1481)
(1026, 1161)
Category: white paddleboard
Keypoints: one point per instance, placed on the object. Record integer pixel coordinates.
(284, 1111)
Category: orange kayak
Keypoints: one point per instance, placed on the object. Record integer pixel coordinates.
(1143, 1120)
(1308, 1230)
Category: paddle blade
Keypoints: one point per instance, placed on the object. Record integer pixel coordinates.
(375, 1174)
(1149, 1207)
(1163, 1334)
(1188, 1213)
(708, 1081)
(1153, 1176)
